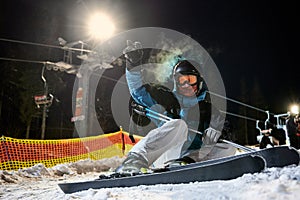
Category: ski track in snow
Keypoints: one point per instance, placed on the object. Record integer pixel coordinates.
(39, 183)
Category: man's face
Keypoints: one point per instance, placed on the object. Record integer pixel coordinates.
(187, 84)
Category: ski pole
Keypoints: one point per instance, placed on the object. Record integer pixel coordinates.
(159, 114)
(147, 112)
(156, 115)
(166, 119)
(238, 145)
(153, 114)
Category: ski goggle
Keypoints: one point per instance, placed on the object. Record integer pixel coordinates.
(187, 79)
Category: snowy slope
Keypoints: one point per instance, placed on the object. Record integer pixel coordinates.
(39, 182)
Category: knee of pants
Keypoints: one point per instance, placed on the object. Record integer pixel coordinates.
(181, 126)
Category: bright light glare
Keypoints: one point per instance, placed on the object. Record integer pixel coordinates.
(100, 26)
(295, 109)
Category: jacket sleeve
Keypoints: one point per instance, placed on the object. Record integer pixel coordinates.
(137, 90)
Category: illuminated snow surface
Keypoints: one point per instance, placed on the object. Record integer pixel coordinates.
(39, 183)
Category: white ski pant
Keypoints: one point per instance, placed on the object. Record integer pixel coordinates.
(164, 144)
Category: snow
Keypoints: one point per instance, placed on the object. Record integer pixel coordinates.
(39, 182)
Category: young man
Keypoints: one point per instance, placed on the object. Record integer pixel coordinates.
(188, 104)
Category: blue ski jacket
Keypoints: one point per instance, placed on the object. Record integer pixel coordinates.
(188, 105)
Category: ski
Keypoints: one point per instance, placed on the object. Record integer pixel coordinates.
(274, 157)
(220, 169)
(279, 156)
(217, 169)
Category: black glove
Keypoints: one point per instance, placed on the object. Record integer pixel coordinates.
(133, 54)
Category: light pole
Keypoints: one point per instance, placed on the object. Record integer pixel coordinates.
(44, 107)
(44, 100)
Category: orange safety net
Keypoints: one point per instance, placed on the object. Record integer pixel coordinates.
(23, 153)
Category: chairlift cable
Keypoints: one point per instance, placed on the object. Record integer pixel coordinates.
(235, 101)
(22, 60)
(240, 116)
(46, 45)
(75, 49)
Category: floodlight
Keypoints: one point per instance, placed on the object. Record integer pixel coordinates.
(100, 26)
(294, 109)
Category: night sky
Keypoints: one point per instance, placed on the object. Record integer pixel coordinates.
(253, 43)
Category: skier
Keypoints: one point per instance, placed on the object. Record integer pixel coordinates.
(189, 106)
(277, 134)
(293, 130)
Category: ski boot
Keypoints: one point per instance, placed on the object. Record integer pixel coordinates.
(134, 164)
